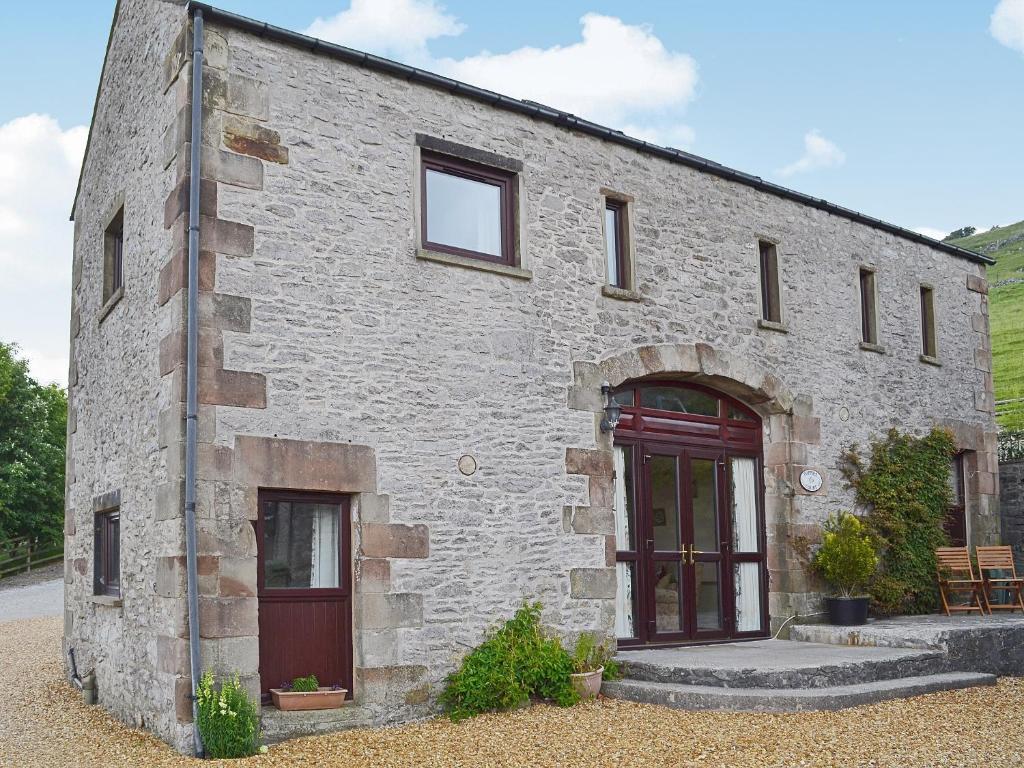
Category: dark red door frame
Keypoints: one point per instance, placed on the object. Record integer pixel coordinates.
(314, 624)
(720, 438)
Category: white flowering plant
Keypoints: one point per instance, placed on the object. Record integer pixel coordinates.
(229, 720)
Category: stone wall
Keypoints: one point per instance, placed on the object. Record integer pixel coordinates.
(118, 450)
(1011, 507)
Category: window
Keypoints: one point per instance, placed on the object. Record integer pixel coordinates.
(771, 299)
(616, 243)
(868, 308)
(929, 348)
(107, 553)
(113, 256)
(956, 517)
(468, 209)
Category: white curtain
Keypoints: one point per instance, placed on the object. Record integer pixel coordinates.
(624, 591)
(745, 539)
(323, 570)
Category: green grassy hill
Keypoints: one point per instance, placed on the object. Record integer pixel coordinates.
(1006, 316)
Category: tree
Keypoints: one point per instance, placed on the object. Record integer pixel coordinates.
(33, 424)
(956, 234)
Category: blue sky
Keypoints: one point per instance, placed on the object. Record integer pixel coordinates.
(910, 111)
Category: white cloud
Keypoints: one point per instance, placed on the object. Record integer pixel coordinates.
(39, 165)
(819, 152)
(646, 87)
(580, 77)
(398, 28)
(1007, 24)
(932, 232)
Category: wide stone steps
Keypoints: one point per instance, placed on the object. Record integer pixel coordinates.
(279, 726)
(712, 697)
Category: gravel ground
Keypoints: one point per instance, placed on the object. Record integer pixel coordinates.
(32, 600)
(42, 723)
(36, 576)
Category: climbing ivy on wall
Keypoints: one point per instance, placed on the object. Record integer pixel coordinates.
(904, 484)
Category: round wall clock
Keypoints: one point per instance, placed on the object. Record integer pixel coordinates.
(810, 480)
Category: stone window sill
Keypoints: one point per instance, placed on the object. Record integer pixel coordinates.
(111, 303)
(108, 600)
(623, 294)
(867, 346)
(771, 325)
(470, 263)
(930, 360)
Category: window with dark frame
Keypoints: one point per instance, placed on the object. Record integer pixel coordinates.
(113, 256)
(928, 345)
(868, 308)
(955, 523)
(107, 553)
(771, 300)
(467, 209)
(617, 257)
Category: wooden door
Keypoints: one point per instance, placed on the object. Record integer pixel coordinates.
(305, 588)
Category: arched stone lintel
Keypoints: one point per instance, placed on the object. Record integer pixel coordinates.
(727, 372)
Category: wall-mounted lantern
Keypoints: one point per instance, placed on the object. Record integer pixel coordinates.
(612, 410)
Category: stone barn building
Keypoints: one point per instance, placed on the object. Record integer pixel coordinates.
(454, 351)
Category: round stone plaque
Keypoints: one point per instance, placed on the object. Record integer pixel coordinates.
(467, 464)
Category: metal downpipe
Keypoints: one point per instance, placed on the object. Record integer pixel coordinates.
(191, 367)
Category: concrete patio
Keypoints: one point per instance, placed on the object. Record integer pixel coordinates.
(827, 667)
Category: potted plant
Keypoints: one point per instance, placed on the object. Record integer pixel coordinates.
(847, 560)
(306, 693)
(589, 659)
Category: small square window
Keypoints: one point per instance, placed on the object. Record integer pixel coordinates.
(868, 307)
(771, 298)
(929, 346)
(616, 243)
(113, 256)
(468, 209)
(107, 553)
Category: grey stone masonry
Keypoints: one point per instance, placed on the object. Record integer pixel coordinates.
(1011, 507)
(337, 354)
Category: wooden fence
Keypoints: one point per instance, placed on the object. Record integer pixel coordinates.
(24, 554)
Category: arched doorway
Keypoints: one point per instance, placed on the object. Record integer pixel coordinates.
(689, 517)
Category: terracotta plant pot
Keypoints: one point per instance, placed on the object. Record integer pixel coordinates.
(323, 698)
(587, 684)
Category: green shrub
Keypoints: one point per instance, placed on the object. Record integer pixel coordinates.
(589, 656)
(305, 684)
(847, 558)
(905, 487)
(229, 721)
(512, 664)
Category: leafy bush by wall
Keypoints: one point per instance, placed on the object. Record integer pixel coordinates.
(904, 484)
(513, 663)
(229, 721)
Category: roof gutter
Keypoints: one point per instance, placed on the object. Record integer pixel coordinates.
(565, 120)
(192, 367)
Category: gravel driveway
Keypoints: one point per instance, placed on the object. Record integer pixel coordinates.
(43, 723)
(33, 595)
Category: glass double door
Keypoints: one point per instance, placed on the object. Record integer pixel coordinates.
(690, 545)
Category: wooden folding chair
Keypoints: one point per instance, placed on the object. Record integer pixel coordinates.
(956, 577)
(995, 566)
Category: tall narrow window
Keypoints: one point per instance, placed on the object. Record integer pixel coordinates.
(468, 209)
(107, 553)
(929, 347)
(771, 300)
(868, 310)
(113, 256)
(615, 243)
(956, 516)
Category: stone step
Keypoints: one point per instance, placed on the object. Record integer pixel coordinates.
(279, 726)
(778, 664)
(706, 697)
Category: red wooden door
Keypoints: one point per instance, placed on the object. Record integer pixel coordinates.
(304, 588)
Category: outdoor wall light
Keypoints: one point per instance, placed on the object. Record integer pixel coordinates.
(612, 410)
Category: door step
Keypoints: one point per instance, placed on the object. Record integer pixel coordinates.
(778, 664)
(279, 726)
(711, 697)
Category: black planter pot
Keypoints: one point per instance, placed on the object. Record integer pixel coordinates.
(847, 611)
